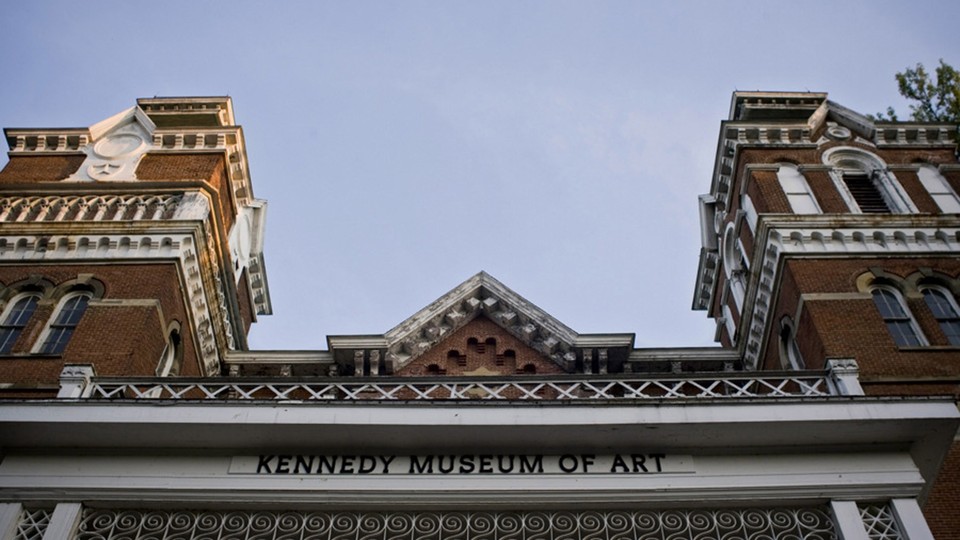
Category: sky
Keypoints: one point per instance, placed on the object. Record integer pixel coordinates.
(405, 146)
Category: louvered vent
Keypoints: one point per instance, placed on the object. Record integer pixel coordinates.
(865, 192)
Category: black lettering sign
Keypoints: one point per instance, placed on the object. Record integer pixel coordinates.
(531, 464)
(465, 464)
(418, 466)
(263, 466)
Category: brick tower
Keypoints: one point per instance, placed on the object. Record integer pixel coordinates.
(131, 269)
(133, 246)
(829, 236)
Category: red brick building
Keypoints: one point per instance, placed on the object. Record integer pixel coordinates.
(131, 269)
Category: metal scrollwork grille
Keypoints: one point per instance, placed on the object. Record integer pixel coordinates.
(727, 524)
(32, 524)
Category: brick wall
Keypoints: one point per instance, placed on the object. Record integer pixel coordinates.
(850, 326)
(943, 502)
(480, 359)
(121, 333)
(209, 168)
(768, 197)
(30, 169)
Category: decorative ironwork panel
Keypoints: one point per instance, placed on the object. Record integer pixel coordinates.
(569, 389)
(727, 524)
(880, 522)
(32, 524)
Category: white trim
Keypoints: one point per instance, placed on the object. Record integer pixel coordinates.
(939, 189)
(947, 295)
(171, 352)
(848, 520)
(787, 173)
(911, 520)
(790, 357)
(898, 296)
(750, 212)
(827, 236)
(851, 159)
(735, 270)
(203, 298)
(9, 519)
(11, 303)
(63, 521)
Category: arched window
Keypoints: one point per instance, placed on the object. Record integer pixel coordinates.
(64, 321)
(735, 265)
(14, 319)
(171, 359)
(945, 310)
(797, 190)
(944, 195)
(864, 182)
(789, 350)
(900, 322)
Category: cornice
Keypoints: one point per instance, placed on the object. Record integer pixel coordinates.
(826, 236)
(182, 241)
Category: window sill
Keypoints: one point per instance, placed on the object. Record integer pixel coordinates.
(30, 356)
(930, 348)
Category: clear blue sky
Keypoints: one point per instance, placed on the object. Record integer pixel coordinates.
(404, 146)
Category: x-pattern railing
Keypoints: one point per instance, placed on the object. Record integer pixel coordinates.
(694, 386)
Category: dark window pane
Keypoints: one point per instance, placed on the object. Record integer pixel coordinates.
(62, 327)
(15, 321)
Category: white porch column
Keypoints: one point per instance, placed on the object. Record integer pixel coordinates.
(845, 376)
(63, 522)
(75, 380)
(911, 520)
(9, 518)
(848, 520)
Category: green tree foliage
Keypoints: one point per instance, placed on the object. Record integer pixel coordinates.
(937, 101)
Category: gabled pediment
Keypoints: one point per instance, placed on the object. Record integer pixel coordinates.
(481, 295)
(837, 115)
(115, 147)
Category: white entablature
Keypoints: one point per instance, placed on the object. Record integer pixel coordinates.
(175, 240)
(831, 236)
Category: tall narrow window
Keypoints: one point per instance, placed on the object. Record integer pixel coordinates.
(944, 309)
(735, 265)
(172, 356)
(797, 190)
(865, 192)
(944, 195)
(64, 322)
(789, 350)
(900, 323)
(865, 183)
(20, 310)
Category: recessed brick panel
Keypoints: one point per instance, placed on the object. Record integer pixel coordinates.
(117, 339)
(29, 169)
(209, 168)
(483, 357)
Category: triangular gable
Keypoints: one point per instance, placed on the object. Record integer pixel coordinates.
(479, 295)
(830, 113)
(115, 147)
